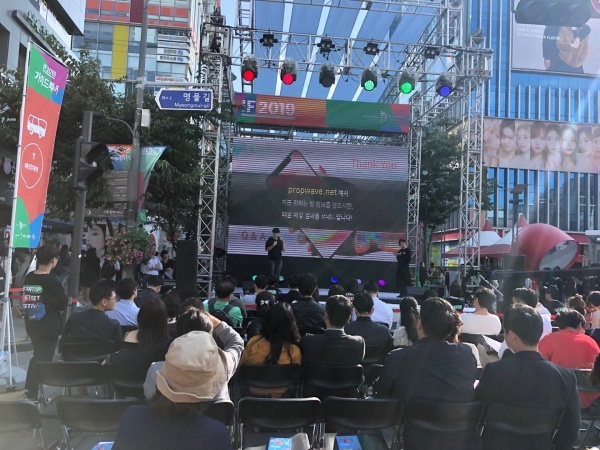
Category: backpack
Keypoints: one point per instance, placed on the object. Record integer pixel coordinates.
(222, 315)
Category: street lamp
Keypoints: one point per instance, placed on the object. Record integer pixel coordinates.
(516, 192)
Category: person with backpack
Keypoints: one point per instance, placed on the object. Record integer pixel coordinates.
(224, 293)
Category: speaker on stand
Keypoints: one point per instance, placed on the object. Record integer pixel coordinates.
(186, 282)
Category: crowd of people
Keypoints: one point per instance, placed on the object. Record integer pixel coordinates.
(186, 351)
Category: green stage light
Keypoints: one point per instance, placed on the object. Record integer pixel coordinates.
(408, 81)
(368, 80)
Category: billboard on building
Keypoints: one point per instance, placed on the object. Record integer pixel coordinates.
(538, 145)
(573, 50)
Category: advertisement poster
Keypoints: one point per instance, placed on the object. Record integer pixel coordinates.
(45, 87)
(553, 49)
(538, 145)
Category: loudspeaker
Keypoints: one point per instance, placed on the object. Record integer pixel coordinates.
(416, 292)
(187, 266)
(511, 282)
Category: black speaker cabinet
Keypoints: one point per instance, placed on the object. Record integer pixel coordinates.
(187, 266)
(511, 282)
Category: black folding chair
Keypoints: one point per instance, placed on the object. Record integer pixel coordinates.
(99, 417)
(374, 354)
(91, 351)
(451, 426)
(18, 418)
(362, 417)
(505, 426)
(372, 374)
(591, 414)
(325, 381)
(125, 383)
(221, 410)
(284, 417)
(270, 377)
(67, 375)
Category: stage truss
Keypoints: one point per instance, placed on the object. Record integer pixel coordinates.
(467, 61)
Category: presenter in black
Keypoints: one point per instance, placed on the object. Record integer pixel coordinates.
(275, 246)
(403, 279)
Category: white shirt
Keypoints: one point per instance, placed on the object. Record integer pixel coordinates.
(125, 313)
(488, 325)
(382, 313)
(153, 266)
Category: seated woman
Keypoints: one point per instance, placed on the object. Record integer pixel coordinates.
(195, 371)
(406, 333)
(277, 344)
(264, 301)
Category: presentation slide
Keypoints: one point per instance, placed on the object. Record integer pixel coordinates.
(330, 201)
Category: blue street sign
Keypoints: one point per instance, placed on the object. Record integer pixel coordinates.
(185, 99)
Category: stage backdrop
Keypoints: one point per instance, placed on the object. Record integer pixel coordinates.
(337, 206)
(554, 146)
(558, 49)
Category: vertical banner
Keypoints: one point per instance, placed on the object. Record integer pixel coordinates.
(45, 82)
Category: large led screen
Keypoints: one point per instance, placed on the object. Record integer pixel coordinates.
(554, 146)
(566, 50)
(332, 202)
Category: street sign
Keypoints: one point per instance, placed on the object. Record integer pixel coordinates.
(185, 99)
(97, 212)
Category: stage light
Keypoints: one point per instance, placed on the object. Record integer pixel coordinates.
(254, 277)
(359, 281)
(334, 280)
(268, 40)
(566, 13)
(327, 75)
(249, 69)
(381, 283)
(369, 79)
(443, 86)
(288, 71)
(325, 46)
(215, 45)
(371, 49)
(408, 81)
(431, 52)
(281, 278)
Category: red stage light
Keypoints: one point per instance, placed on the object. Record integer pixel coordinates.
(249, 75)
(287, 78)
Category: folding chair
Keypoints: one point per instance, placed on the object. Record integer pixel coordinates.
(99, 417)
(269, 377)
(90, 351)
(374, 354)
(125, 383)
(451, 426)
(325, 381)
(20, 416)
(588, 414)
(285, 417)
(519, 427)
(67, 375)
(365, 416)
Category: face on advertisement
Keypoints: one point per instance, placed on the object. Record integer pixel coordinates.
(553, 141)
(508, 140)
(568, 142)
(584, 142)
(95, 238)
(596, 146)
(523, 139)
(492, 140)
(538, 142)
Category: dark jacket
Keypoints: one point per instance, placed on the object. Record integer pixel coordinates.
(308, 313)
(145, 295)
(332, 348)
(92, 325)
(529, 380)
(374, 334)
(290, 297)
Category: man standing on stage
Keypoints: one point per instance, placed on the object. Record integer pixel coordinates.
(403, 279)
(275, 246)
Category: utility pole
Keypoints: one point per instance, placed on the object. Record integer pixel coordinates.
(132, 185)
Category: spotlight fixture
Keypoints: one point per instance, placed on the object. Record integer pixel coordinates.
(368, 81)
(288, 71)
(565, 13)
(443, 85)
(249, 69)
(371, 49)
(215, 44)
(431, 52)
(327, 75)
(268, 40)
(408, 81)
(334, 280)
(325, 46)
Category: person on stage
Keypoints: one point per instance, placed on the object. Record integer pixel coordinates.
(275, 246)
(403, 279)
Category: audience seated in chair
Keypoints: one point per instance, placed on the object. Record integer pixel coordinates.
(528, 380)
(93, 325)
(234, 300)
(264, 302)
(571, 348)
(224, 305)
(293, 294)
(431, 370)
(125, 311)
(482, 321)
(406, 333)
(277, 344)
(173, 304)
(260, 284)
(196, 370)
(375, 334)
(196, 319)
(154, 284)
(382, 312)
(307, 311)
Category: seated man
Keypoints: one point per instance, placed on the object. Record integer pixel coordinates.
(308, 313)
(374, 334)
(125, 311)
(548, 297)
(235, 301)
(154, 284)
(482, 321)
(260, 284)
(93, 325)
(431, 370)
(334, 347)
(224, 293)
(571, 348)
(382, 312)
(529, 380)
(293, 294)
